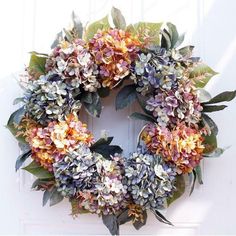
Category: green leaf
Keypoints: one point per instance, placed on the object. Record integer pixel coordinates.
(118, 18)
(139, 224)
(186, 51)
(56, 197)
(146, 31)
(124, 217)
(77, 25)
(21, 159)
(103, 92)
(198, 171)
(216, 153)
(140, 116)
(95, 26)
(193, 181)
(222, 97)
(110, 221)
(94, 107)
(210, 143)
(37, 63)
(160, 217)
(39, 54)
(213, 108)
(125, 97)
(180, 188)
(211, 125)
(174, 35)
(37, 170)
(201, 74)
(13, 120)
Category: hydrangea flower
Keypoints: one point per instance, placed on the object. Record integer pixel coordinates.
(51, 143)
(157, 68)
(95, 181)
(75, 171)
(178, 104)
(149, 180)
(74, 63)
(48, 99)
(182, 146)
(110, 195)
(114, 50)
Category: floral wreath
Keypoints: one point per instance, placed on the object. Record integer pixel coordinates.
(145, 61)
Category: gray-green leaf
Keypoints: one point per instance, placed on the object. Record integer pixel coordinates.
(160, 217)
(125, 97)
(198, 170)
(94, 107)
(124, 217)
(56, 197)
(37, 170)
(216, 153)
(174, 35)
(180, 188)
(209, 108)
(118, 18)
(139, 224)
(78, 27)
(222, 97)
(21, 159)
(210, 124)
(110, 221)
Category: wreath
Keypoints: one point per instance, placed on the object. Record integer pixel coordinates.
(146, 63)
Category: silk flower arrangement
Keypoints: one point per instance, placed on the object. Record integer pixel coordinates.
(147, 64)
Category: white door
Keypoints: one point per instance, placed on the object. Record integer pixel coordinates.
(28, 25)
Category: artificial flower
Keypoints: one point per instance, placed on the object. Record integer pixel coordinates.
(182, 146)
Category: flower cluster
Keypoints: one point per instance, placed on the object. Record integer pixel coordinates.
(51, 143)
(114, 51)
(110, 195)
(48, 99)
(74, 63)
(178, 104)
(150, 180)
(158, 68)
(95, 181)
(182, 146)
(75, 171)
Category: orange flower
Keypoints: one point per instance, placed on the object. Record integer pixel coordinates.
(182, 146)
(113, 50)
(50, 143)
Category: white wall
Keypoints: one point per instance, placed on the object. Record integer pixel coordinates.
(28, 25)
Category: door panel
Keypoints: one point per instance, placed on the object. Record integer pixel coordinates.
(209, 25)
